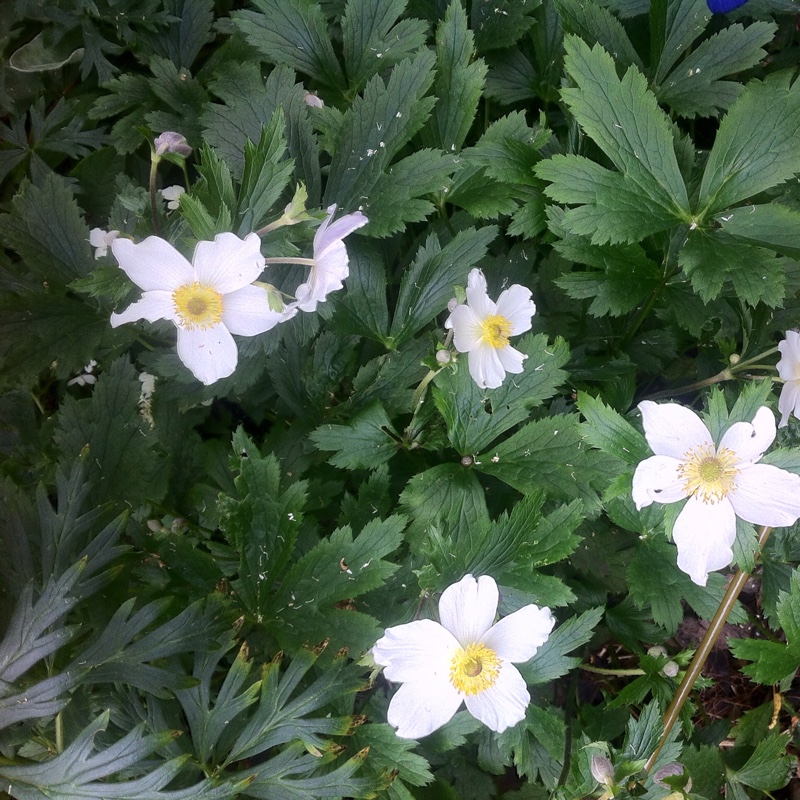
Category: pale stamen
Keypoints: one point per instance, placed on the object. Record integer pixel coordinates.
(708, 474)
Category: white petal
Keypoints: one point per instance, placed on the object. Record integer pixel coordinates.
(326, 276)
(656, 479)
(209, 354)
(466, 328)
(789, 364)
(502, 705)
(750, 440)
(789, 401)
(766, 495)
(421, 707)
(477, 297)
(485, 366)
(152, 306)
(518, 636)
(467, 608)
(704, 534)
(329, 234)
(415, 651)
(511, 360)
(97, 237)
(516, 306)
(153, 264)
(228, 263)
(246, 312)
(672, 429)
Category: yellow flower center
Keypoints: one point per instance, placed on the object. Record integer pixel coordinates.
(198, 306)
(496, 329)
(474, 669)
(708, 474)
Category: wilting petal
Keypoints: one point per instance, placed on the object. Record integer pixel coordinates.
(477, 297)
(789, 401)
(672, 429)
(420, 707)
(152, 306)
(228, 263)
(704, 534)
(766, 495)
(657, 480)
(516, 306)
(329, 233)
(246, 312)
(210, 354)
(416, 649)
(511, 359)
(518, 636)
(467, 608)
(749, 440)
(485, 366)
(153, 264)
(503, 704)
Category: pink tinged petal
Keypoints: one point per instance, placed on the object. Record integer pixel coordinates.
(416, 651)
(467, 608)
(420, 707)
(153, 264)
(152, 306)
(750, 440)
(511, 359)
(656, 480)
(209, 354)
(704, 534)
(516, 306)
(485, 366)
(246, 312)
(789, 402)
(466, 328)
(518, 636)
(672, 429)
(228, 263)
(766, 495)
(477, 297)
(330, 234)
(504, 703)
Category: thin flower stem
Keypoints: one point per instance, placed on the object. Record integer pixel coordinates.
(308, 262)
(609, 671)
(154, 159)
(270, 227)
(698, 661)
(747, 362)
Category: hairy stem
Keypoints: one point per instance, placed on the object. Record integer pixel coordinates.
(154, 159)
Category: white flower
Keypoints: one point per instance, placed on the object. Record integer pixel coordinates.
(208, 300)
(482, 329)
(101, 240)
(789, 370)
(330, 266)
(85, 378)
(465, 659)
(172, 194)
(721, 482)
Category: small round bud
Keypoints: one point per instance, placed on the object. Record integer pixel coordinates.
(670, 669)
(172, 142)
(734, 359)
(154, 525)
(467, 461)
(657, 652)
(602, 770)
(443, 356)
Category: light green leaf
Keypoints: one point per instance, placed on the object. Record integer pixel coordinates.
(768, 768)
(770, 225)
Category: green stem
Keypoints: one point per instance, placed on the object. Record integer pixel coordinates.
(308, 262)
(725, 375)
(609, 671)
(698, 661)
(154, 159)
(747, 362)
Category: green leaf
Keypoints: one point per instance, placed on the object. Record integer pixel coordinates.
(609, 431)
(675, 26)
(642, 735)
(373, 39)
(293, 33)
(476, 417)
(694, 89)
(501, 23)
(771, 225)
(551, 660)
(755, 147)
(768, 768)
(430, 282)
(459, 81)
(596, 25)
(366, 442)
(118, 446)
(712, 258)
(623, 118)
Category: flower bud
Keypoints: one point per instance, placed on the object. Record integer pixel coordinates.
(312, 100)
(671, 770)
(443, 356)
(172, 142)
(670, 669)
(657, 652)
(602, 770)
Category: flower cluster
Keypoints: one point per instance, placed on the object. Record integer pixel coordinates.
(217, 296)
(467, 658)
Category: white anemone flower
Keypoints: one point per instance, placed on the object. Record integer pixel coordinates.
(465, 659)
(482, 329)
(101, 240)
(208, 300)
(330, 264)
(720, 482)
(172, 194)
(789, 370)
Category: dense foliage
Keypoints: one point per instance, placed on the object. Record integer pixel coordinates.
(193, 576)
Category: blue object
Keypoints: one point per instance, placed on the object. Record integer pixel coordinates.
(724, 6)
